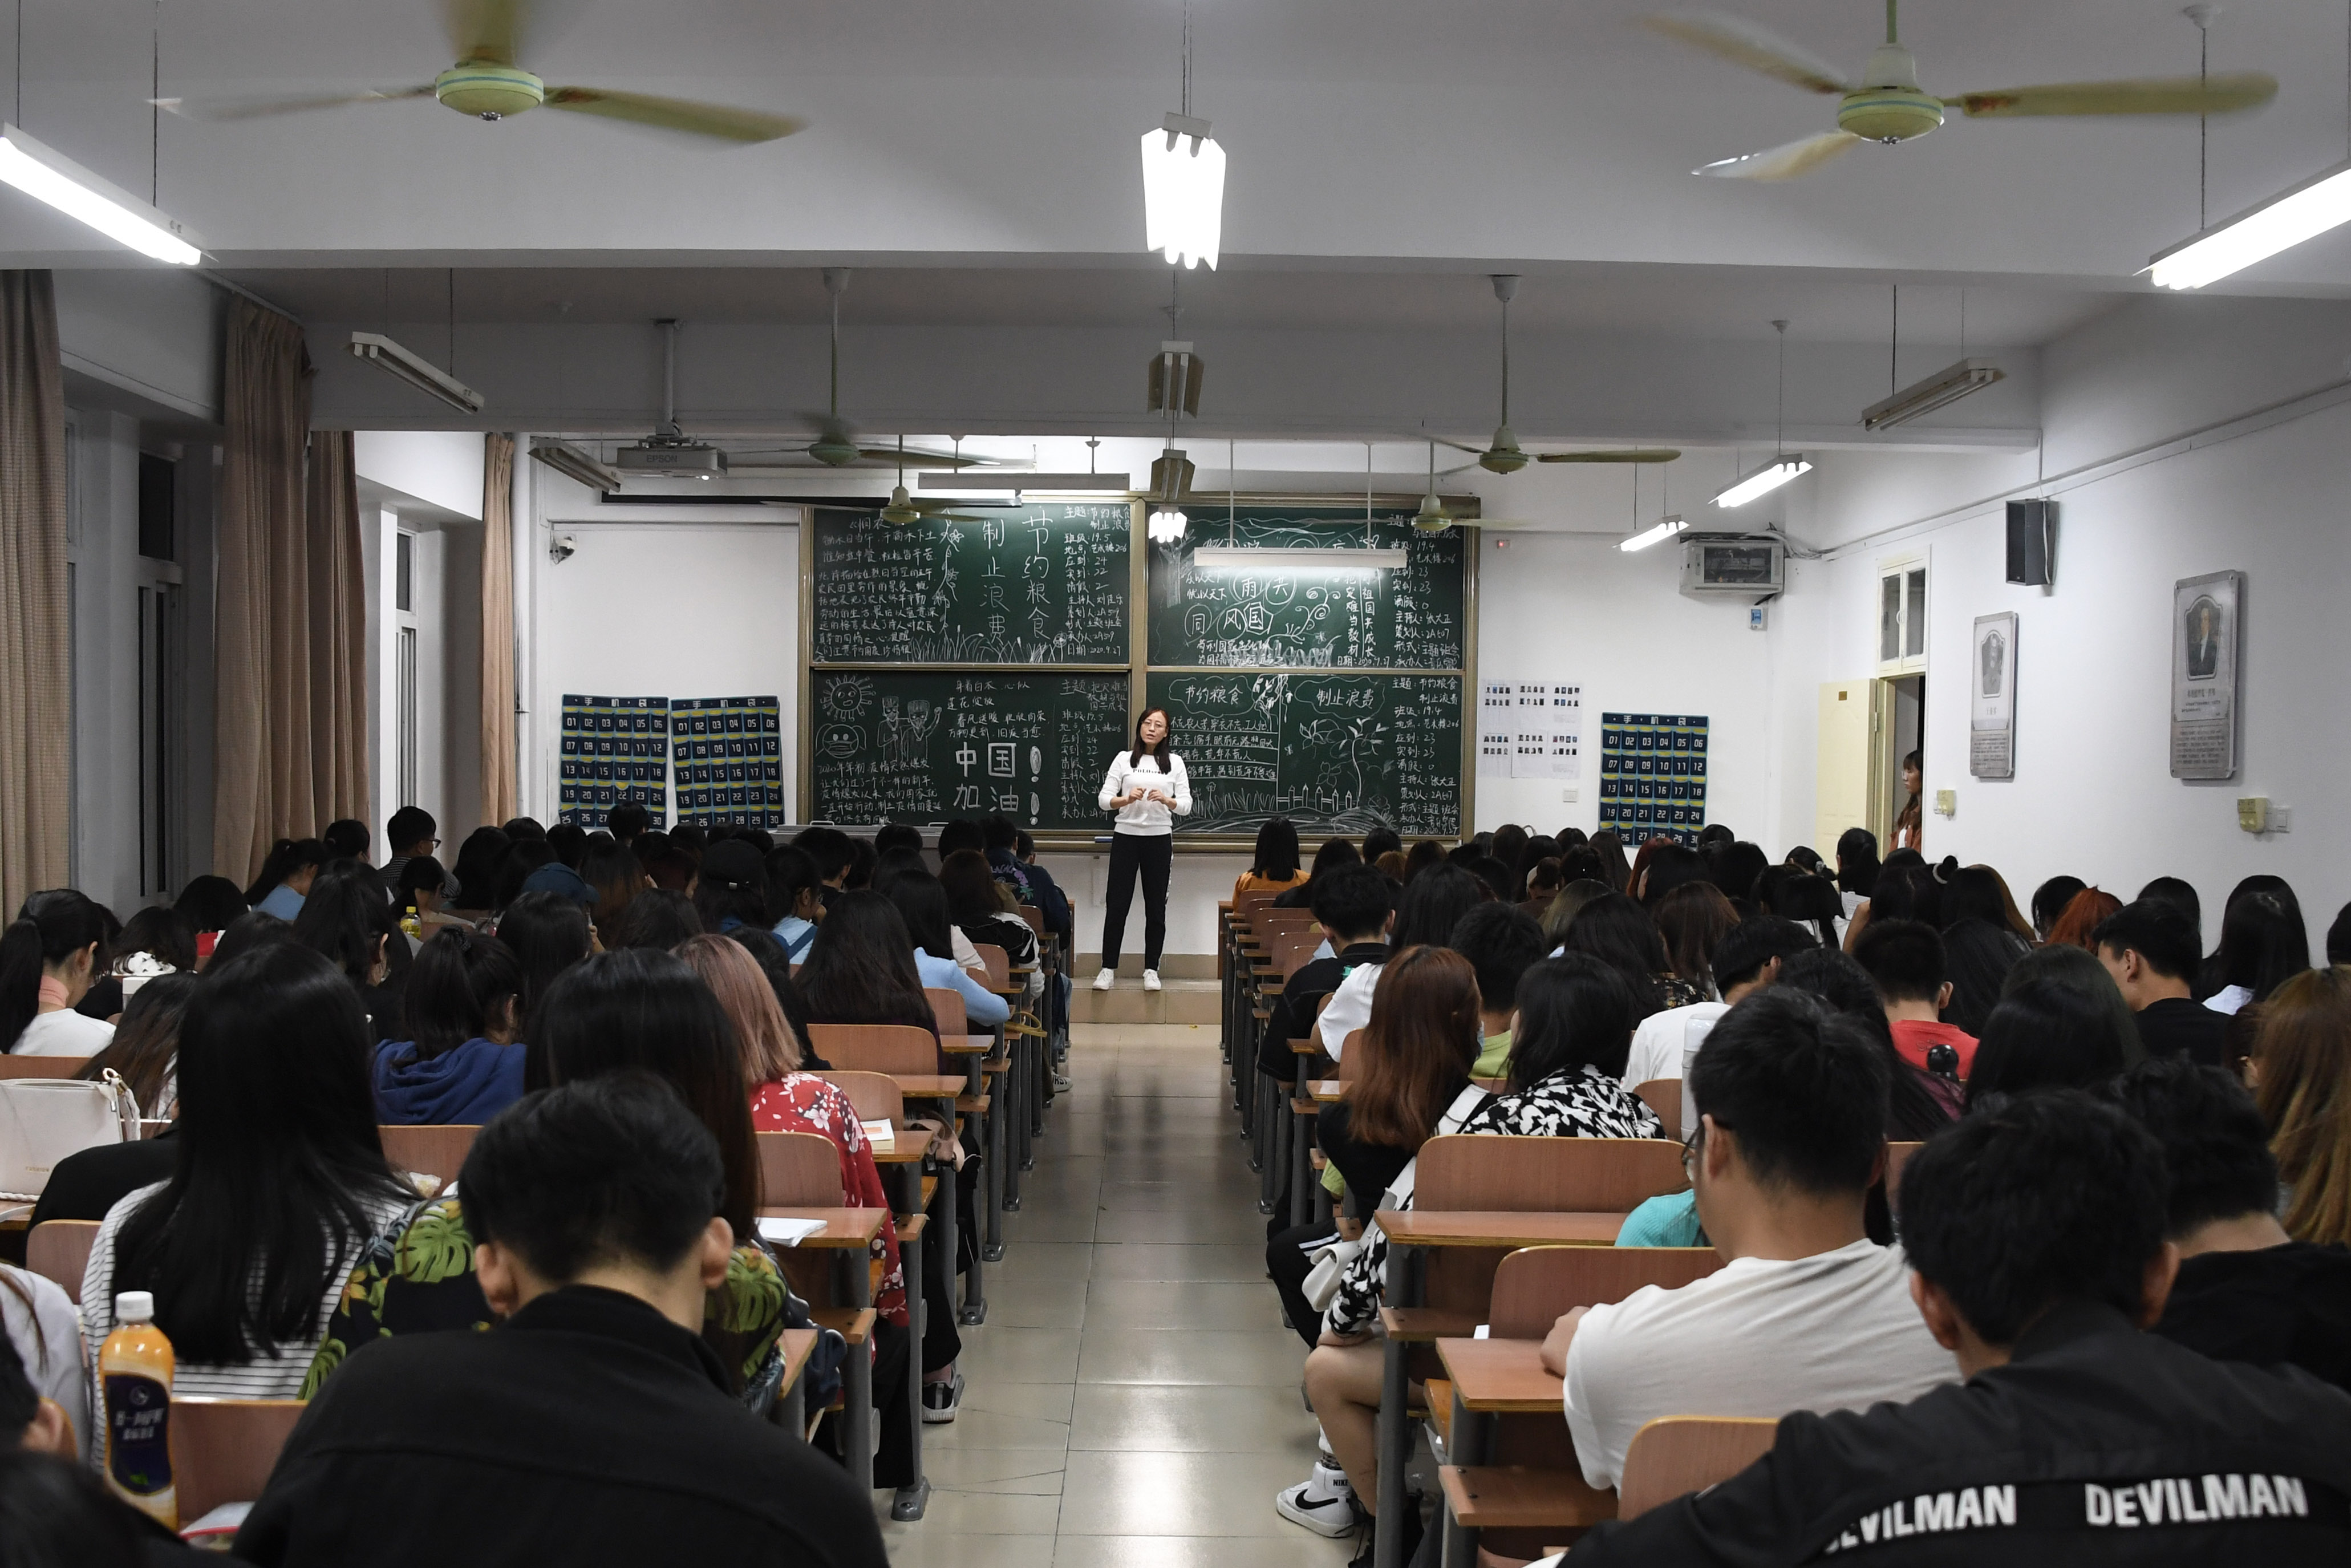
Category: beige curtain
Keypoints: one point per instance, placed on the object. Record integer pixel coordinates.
(35, 664)
(337, 657)
(497, 629)
(291, 658)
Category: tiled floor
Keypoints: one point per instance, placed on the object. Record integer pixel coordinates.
(1132, 1398)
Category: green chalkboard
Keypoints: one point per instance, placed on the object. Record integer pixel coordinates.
(908, 747)
(1333, 753)
(1043, 584)
(1301, 617)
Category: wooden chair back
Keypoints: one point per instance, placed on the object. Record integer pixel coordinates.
(59, 1250)
(429, 1151)
(1036, 919)
(899, 1050)
(1546, 1175)
(874, 1094)
(1664, 1095)
(798, 1170)
(1676, 1455)
(42, 1066)
(946, 1007)
(1536, 1286)
(1896, 1157)
(1349, 1055)
(224, 1449)
(998, 962)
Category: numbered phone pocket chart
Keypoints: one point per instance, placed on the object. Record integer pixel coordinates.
(611, 751)
(1652, 775)
(729, 755)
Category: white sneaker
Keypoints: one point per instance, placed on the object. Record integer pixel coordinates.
(1150, 979)
(1324, 1504)
(1104, 980)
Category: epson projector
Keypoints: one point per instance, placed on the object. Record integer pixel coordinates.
(678, 459)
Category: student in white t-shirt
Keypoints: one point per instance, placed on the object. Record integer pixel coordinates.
(1432, 906)
(1744, 961)
(50, 955)
(1807, 1314)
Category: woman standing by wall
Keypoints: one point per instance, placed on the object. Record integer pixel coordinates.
(1147, 788)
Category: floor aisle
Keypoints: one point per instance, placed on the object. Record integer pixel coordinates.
(1132, 1398)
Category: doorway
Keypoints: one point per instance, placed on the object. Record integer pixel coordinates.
(1902, 701)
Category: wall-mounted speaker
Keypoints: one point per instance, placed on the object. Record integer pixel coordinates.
(2032, 541)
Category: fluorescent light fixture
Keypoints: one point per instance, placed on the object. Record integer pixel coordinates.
(418, 372)
(114, 212)
(1763, 481)
(1243, 558)
(1655, 534)
(2285, 220)
(1945, 387)
(1166, 524)
(575, 464)
(1182, 191)
(1024, 482)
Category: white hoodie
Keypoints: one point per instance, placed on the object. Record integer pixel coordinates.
(1149, 818)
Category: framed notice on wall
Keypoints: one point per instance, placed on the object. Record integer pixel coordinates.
(1991, 698)
(2206, 636)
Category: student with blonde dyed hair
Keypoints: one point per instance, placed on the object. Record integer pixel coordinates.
(2302, 1072)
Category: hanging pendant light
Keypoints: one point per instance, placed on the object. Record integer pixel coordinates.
(1184, 181)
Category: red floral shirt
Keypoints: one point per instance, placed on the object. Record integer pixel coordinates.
(803, 1102)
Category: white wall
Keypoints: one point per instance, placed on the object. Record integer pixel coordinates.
(439, 468)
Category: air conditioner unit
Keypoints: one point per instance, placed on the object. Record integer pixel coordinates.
(1735, 566)
(673, 455)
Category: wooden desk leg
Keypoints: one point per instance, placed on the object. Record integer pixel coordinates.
(792, 1407)
(910, 1500)
(1472, 1444)
(1301, 1169)
(1274, 1157)
(1394, 1432)
(1011, 1116)
(857, 1435)
(993, 1249)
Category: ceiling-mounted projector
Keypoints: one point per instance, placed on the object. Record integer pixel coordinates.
(673, 455)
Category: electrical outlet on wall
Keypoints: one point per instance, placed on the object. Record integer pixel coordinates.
(1567, 796)
(1947, 803)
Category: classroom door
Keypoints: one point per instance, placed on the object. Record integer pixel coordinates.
(1848, 719)
(1898, 713)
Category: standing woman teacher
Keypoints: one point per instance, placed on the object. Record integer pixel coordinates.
(1147, 788)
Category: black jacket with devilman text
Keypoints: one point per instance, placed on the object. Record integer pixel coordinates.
(2095, 1444)
(587, 1431)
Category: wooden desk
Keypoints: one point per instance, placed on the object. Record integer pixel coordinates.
(1500, 1376)
(849, 1232)
(930, 1086)
(1327, 1090)
(1492, 1378)
(843, 1228)
(798, 1345)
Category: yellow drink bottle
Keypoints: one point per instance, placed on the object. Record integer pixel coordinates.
(134, 1374)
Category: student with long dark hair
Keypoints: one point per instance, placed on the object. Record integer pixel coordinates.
(2262, 945)
(981, 908)
(656, 920)
(460, 1065)
(1609, 851)
(731, 888)
(1333, 853)
(348, 918)
(1856, 867)
(860, 967)
(2045, 1035)
(1691, 919)
(211, 902)
(1570, 1035)
(1273, 868)
(477, 870)
(50, 956)
(279, 1185)
(546, 933)
(616, 874)
(1618, 932)
(1430, 908)
(921, 905)
(794, 888)
(287, 873)
(634, 1011)
(2050, 899)
(1147, 787)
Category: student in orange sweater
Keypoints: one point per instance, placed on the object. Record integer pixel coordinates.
(1274, 868)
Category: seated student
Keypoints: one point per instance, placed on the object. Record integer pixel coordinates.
(2301, 1069)
(1746, 958)
(922, 907)
(1905, 957)
(2047, 1035)
(656, 921)
(1328, 856)
(348, 918)
(1020, 853)
(731, 888)
(460, 1065)
(861, 966)
(2036, 1231)
(2262, 945)
(1618, 930)
(794, 887)
(1501, 942)
(44, 1391)
(412, 832)
(1354, 906)
(833, 852)
(1570, 1028)
(615, 1012)
(278, 1188)
(49, 957)
(423, 885)
(1691, 919)
(2151, 950)
(546, 933)
(1432, 905)
(981, 908)
(287, 873)
(1412, 1083)
(598, 1208)
(1274, 867)
(1808, 1313)
(2246, 1290)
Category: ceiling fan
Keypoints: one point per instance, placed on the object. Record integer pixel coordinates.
(1887, 104)
(904, 509)
(488, 83)
(1433, 519)
(1505, 455)
(836, 445)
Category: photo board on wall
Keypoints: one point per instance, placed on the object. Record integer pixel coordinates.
(2207, 639)
(1653, 776)
(1991, 698)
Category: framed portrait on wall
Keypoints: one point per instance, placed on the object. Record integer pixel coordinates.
(1991, 698)
(2206, 637)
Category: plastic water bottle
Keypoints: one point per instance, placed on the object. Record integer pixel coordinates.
(134, 1374)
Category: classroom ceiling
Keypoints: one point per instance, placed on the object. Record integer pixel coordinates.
(1367, 137)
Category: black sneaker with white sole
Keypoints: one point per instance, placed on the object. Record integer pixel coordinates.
(942, 1400)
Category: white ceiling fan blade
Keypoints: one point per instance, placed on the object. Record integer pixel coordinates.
(684, 115)
(1784, 162)
(1742, 43)
(261, 108)
(2222, 94)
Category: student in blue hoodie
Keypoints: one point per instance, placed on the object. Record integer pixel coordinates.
(462, 1065)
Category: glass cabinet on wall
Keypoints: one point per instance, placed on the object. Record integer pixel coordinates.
(1902, 615)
